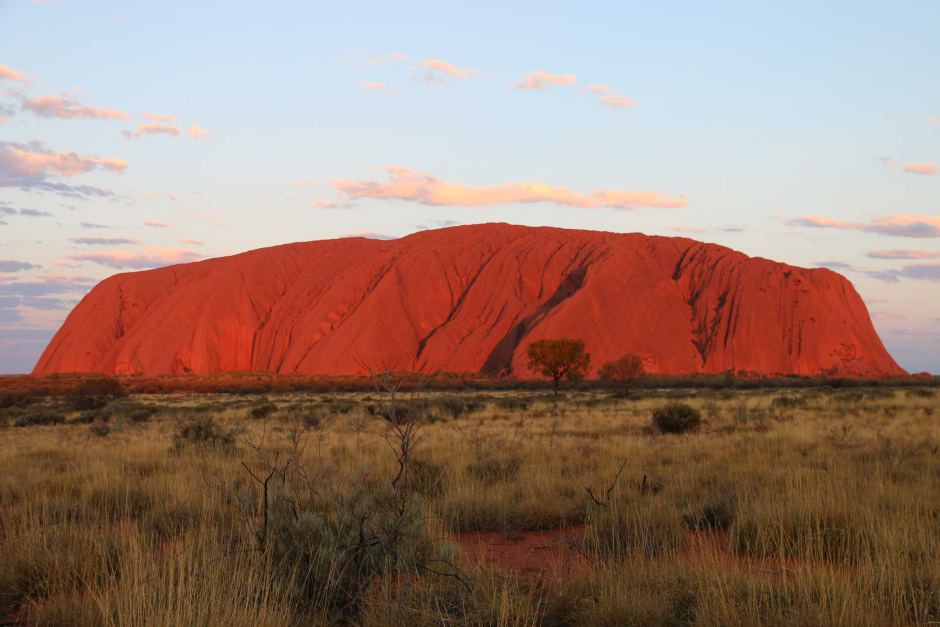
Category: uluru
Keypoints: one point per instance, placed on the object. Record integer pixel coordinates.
(471, 299)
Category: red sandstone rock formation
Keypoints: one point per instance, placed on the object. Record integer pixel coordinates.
(470, 299)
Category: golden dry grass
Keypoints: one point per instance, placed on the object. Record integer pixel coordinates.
(822, 508)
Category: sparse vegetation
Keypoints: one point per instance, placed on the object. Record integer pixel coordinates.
(820, 509)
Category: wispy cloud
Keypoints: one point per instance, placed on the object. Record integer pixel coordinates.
(895, 226)
(378, 87)
(929, 271)
(607, 95)
(6, 113)
(191, 242)
(324, 203)
(618, 102)
(138, 260)
(924, 169)
(33, 159)
(44, 292)
(66, 107)
(35, 213)
(9, 210)
(540, 79)
(197, 132)
(93, 225)
(9, 74)
(8, 265)
(904, 254)
(159, 117)
(933, 119)
(30, 167)
(152, 128)
(152, 196)
(103, 241)
(403, 184)
(438, 71)
(158, 225)
(692, 230)
(834, 265)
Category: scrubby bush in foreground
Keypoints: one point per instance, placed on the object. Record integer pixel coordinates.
(676, 418)
(204, 431)
(95, 394)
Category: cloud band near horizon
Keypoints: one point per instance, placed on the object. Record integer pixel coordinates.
(426, 189)
(894, 226)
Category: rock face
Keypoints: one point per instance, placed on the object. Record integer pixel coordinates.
(471, 299)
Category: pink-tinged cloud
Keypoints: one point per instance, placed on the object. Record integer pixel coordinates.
(403, 184)
(540, 80)
(103, 241)
(438, 70)
(324, 203)
(158, 225)
(924, 169)
(197, 132)
(137, 260)
(152, 128)
(152, 196)
(376, 86)
(607, 95)
(65, 107)
(895, 226)
(191, 242)
(9, 74)
(32, 167)
(618, 102)
(33, 161)
(159, 117)
(904, 254)
(933, 119)
(687, 229)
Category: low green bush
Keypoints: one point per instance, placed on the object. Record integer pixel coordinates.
(95, 394)
(38, 417)
(203, 431)
(676, 418)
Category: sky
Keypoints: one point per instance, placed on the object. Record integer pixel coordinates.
(135, 135)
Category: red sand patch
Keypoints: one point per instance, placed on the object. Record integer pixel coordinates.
(546, 555)
(554, 555)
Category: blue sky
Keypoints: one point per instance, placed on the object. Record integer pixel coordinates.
(804, 132)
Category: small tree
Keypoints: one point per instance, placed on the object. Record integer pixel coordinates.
(625, 370)
(559, 359)
(95, 393)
